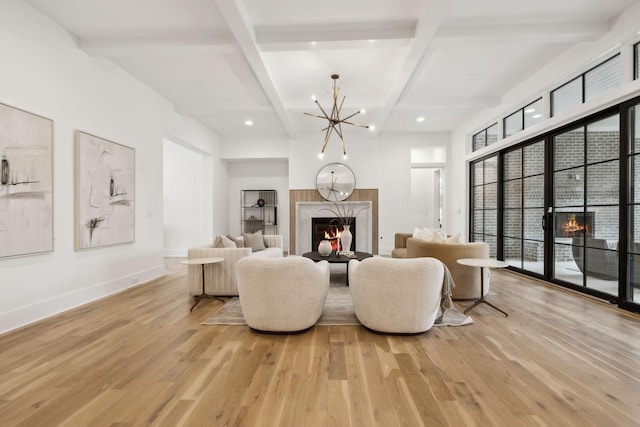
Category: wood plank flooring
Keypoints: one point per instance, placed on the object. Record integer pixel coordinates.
(141, 358)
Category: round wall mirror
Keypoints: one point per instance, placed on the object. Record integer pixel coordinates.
(335, 182)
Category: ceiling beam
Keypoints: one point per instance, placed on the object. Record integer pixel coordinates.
(557, 32)
(238, 21)
(434, 14)
(344, 31)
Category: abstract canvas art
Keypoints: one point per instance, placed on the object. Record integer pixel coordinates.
(26, 182)
(105, 192)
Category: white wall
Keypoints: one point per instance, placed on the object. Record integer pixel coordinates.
(183, 200)
(43, 72)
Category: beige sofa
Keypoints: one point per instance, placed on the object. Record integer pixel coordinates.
(466, 279)
(282, 294)
(220, 279)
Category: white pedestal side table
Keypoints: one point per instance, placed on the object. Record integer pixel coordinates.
(483, 263)
(202, 262)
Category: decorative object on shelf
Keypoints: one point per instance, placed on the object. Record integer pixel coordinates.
(324, 248)
(105, 192)
(335, 182)
(345, 240)
(335, 122)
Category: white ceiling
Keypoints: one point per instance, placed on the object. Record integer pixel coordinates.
(227, 61)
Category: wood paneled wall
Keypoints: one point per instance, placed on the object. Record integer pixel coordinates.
(358, 195)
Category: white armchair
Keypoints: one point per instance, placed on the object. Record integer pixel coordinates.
(396, 295)
(282, 294)
(220, 279)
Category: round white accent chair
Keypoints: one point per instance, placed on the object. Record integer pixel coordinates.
(396, 295)
(282, 294)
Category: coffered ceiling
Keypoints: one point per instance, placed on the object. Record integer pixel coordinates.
(224, 62)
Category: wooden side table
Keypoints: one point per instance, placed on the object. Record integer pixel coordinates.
(202, 262)
(483, 263)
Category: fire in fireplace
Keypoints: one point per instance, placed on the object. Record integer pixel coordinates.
(574, 224)
(330, 229)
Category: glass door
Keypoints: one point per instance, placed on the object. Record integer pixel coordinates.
(524, 207)
(586, 205)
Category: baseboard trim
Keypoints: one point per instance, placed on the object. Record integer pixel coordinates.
(27, 315)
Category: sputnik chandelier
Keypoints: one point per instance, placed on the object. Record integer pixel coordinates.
(335, 122)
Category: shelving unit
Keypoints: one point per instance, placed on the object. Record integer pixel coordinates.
(259, 211)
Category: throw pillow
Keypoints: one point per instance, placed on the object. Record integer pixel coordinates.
(217, 243)
(426, 234)
(239, 241)
(439, 236)
(255, 241)
(227, 243)
(454, 239)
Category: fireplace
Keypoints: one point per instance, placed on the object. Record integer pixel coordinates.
(574, 224)
(330, 229)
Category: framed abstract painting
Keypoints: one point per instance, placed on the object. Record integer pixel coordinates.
(26, 182)
(105, 192)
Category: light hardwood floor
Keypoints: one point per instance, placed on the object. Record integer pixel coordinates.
(141, 358)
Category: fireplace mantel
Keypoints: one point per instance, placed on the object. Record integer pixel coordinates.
(312, 196)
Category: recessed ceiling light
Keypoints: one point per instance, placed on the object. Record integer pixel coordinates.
(363, 111)
(372, 127)
(420, 119)
(248, 122)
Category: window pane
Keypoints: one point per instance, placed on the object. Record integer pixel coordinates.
(491, 222)
(533, 256)
(603, 180)
(634, 173)
(513, 164)
(513, 222)
(568, 263)
(513, 123)
(478, 197)
(513, 194)
(634, 278)
(603, 139)
(479, 140)
(533, 113)
(512, 252)
(568, 149)
(493, 245)
(478, 222)
(534, 159)
(491, 169)
(533, 224)
(606, 224)
(569, 187)
(491, 196)
(492, 134)
(478, 173)
(636, 54)
(634, 119)
(567, 96)
(634, 237)
(534, 192)
(603, 78)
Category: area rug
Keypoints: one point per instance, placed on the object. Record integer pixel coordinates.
(338, 310)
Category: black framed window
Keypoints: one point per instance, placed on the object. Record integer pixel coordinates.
(523, 118)
(485, 137)
(588, 85)
(484, 195)
(636, 61)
